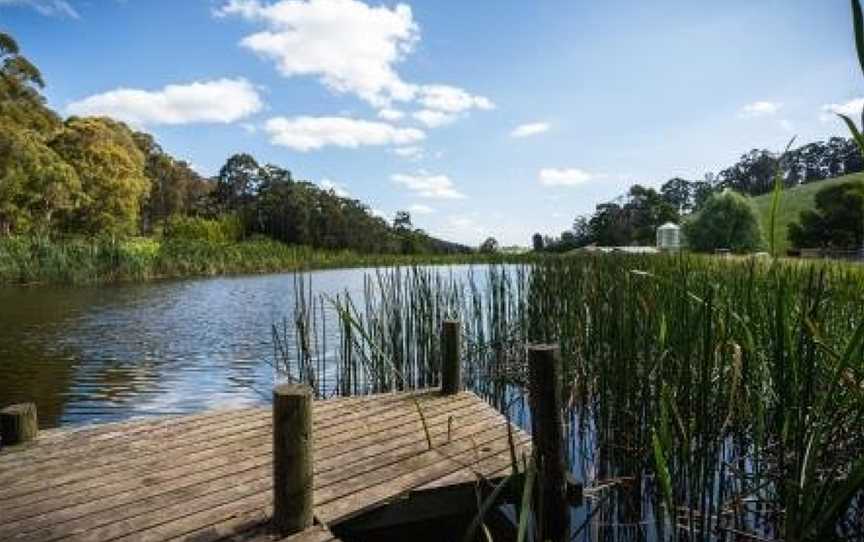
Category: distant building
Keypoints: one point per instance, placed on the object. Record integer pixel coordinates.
(669, 236)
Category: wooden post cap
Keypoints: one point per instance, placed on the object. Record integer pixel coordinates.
(19, 423)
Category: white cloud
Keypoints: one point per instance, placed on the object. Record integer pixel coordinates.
(351, 47)
(759, 109)
(526, 130)
(429, 186)
(451, 99)
(420, 209)
(434, 119)
(563, 177)
(338, 188)
(49, 8)
(463, 229)
(852, 108)
(348, 45)
(220, 100)
(390, 114)
(413, 152)
(380, 214)
(787, 125)
(310, 133)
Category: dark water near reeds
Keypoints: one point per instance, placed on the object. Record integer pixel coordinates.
(107, 353)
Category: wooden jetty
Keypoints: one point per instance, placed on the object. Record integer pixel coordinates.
(209, 476)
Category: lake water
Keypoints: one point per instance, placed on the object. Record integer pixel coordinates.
(107, 353)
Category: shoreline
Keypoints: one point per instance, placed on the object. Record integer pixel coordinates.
(35, 262)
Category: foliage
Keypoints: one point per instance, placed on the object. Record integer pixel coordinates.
(225, 229)
(489, 246)
(795, 201)
(21, 104)
(175, 188)
(87, 260)
(537, 242)
(111, 169)
(743, 400)
(35, 183)
(727, 221)
(836, 221)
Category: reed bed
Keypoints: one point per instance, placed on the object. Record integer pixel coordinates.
(712, 399)
(34, 259)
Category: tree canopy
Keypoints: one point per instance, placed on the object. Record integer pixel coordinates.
(836, 221)
(727, 221)
(94, 175)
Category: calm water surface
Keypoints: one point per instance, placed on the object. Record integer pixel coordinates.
(105, 353)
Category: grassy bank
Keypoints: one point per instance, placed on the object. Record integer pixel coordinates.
(794, 200)
(26, 260)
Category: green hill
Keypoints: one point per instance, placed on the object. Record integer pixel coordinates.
(794, 201)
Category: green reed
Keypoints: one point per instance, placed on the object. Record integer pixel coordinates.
(718, 396)
(81, 260)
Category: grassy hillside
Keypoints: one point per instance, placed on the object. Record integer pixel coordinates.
(794, 201)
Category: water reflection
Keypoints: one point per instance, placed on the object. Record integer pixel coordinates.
(107, 353)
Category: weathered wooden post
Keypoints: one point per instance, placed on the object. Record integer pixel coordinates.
(18, 423)
(544, 373)
(451, 375)
(292, 458)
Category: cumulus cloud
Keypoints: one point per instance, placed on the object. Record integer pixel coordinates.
(49, 8)
(451, 99)
(428, 186)
(852, 108)
(310, 133)
(420, 209)
(414, 152)
(563, 177)
(759, 109)
(218, 101)
(434, 119)
(338, 188)
(350, 47)
(390, 114)
(527, 130)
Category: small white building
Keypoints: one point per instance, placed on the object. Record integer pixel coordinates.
(669, 236)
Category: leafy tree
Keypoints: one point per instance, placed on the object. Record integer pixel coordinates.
(111, 169)
(728, 220)
(644, 212)
(402, 221)
(175, 187)
(35, 182)
(836, 221)
(537, 242)
(609, 225)
(489, 246)
(237, 183)
(21, 103)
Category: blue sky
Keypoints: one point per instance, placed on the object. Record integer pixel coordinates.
(483, 118)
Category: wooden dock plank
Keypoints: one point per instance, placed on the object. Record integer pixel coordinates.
(237, 459)
(208, 476)
(158, 450)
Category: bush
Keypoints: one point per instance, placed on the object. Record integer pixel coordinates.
(226, 229)
(835, 222)
(728, 220)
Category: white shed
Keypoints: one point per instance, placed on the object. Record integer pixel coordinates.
(669, 236)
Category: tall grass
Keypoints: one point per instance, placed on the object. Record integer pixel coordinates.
(716, 399)
(32, 259)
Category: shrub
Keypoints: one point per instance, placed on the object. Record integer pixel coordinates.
(222, 230)
(728, 220)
